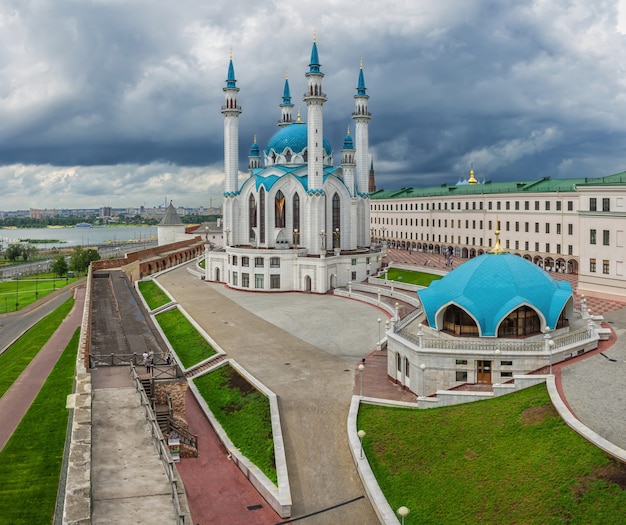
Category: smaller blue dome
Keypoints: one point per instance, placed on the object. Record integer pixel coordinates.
(254, 150)
(490, 286)
(294, 136)
(347, 142)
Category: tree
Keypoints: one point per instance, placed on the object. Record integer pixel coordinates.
(59, 265)
(13, 251)
(29, 251)
(81, 258)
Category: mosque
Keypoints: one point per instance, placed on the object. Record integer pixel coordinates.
(297, 222)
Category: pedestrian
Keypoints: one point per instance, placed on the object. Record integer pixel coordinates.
(168, 358)
(146, 361)
(151, 356)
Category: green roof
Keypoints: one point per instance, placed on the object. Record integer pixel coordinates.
(544, 185)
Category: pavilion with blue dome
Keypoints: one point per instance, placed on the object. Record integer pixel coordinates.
(296, 221)
(495, 324)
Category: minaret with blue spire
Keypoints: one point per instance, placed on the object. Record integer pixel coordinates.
(361, 117)
(231, 112)
(348, 163)
(254, 158)
(286, 106)
(314, 98)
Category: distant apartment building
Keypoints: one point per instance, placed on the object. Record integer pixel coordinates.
(565, 225)
(42, 214)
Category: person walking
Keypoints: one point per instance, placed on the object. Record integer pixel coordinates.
(146, 361)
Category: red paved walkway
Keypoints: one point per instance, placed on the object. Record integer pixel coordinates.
(217, 491)
(17, 399)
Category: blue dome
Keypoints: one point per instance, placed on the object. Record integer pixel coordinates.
(294, 136)
(491, 286)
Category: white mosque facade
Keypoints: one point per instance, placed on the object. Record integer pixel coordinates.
(297, 222)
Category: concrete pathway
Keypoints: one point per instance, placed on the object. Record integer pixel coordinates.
(17, 399)
(314, 383)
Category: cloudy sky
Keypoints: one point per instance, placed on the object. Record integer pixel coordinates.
(117, 102)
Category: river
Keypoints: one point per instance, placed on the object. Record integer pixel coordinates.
(72, 237)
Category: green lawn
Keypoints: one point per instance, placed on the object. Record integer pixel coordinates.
(406, 276)
(18, 356)
(509, 460)
(153, 294)
(244, 414)
(30, 463)
(27, 289)
(190, 347)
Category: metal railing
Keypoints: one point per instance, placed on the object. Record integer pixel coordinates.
(161, 446)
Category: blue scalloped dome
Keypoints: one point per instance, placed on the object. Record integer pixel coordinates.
(293, 136)
(491, 286)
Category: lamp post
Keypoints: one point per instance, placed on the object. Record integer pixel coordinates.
(361, 368)
(296, 237)
(551, 344)
(379, 320)
(322, 241)
(423, 369)
(337, 235)
(227, 232)
(361, 434)
(206, 233)
(17, 291)
(378, 292)
(402, 512)
(37, 282)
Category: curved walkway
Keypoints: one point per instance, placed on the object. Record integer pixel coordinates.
(17, 399)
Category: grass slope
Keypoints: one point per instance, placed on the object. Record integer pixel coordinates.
(509, 460)
(30, 463)
(190, 347)
(20, 354)
(244, 414)
(153, 295)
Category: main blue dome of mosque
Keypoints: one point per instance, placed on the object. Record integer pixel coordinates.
(491, 286)
(294, 136)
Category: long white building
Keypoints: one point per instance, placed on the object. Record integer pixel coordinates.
(565, 225)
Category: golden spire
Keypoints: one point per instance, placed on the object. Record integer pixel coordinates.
(298, 120)
(314, 35)
(348, 129)
(231, 52)
(472, 180)
(361, 63)
(497, 248)
(287, 74)
(255, 138)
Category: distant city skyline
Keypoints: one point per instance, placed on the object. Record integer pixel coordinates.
(111, 104)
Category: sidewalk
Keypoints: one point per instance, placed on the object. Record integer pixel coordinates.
(17, 399)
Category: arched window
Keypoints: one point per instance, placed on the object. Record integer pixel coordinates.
(296, 212)
(458, 322)
(279, 210)
(251, 216)
(521, 322)
(336, 218)
(262, 216)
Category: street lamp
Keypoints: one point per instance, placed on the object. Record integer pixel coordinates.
(423, 369)
(361, 368)
(379, 320)
(37, 282)
(206, 233)
(378, 292)
(361, 434)
(322, 241)
(296, 237)
(337, 234)
(402, 512)
(551, 344)
(17, 291)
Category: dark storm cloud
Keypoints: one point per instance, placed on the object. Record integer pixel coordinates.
(118, 102)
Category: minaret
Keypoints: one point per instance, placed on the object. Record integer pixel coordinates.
(347, 163)
(254, 158)
(286, 106)
(314, 99)
(361, 117)
(231, 112)
(371, 187)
